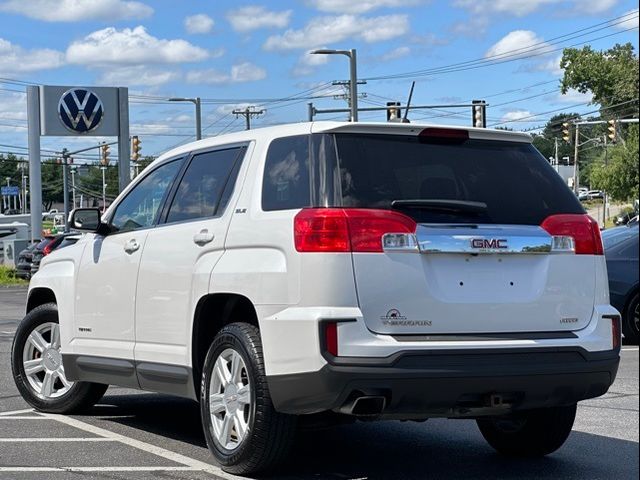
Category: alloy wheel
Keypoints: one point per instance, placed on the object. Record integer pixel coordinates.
(42, 362)
(230, 399)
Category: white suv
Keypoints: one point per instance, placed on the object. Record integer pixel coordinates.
(351, 270)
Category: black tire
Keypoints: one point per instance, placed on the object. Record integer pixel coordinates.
(532, 433)
(629, 325)
(81, 395)
(270, 434)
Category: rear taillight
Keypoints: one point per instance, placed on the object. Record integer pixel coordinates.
(47, 249)
(616, 330)
(582, 228)
(347, 230)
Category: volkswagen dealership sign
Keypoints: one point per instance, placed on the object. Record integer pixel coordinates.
(80, 110)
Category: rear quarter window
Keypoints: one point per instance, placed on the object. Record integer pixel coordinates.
(285, 182)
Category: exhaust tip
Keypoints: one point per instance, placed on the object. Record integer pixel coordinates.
(368, 405)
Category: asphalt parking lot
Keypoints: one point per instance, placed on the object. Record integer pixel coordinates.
(135, 435)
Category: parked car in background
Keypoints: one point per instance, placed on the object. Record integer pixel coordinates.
(59, 241)
(583, 195)
(593, 194)
(23, 265)
(621, 252)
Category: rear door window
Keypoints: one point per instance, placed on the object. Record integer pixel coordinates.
(514, 180)
(201, 191)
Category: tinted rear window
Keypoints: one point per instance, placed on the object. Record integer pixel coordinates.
(514, 180)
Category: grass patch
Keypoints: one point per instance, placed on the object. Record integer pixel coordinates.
(8, 277)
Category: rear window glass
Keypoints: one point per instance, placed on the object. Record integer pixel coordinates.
(513, 179)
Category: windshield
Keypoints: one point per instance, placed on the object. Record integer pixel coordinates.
(513, 180)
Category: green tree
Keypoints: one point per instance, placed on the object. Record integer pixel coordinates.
(545, 141)
(617, 173)
(610, 75)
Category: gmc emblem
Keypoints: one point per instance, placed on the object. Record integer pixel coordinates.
(492, 244)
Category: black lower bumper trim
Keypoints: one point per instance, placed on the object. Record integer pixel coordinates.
(451, 383)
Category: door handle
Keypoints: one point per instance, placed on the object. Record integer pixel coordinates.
(131, 246)
(203, 237)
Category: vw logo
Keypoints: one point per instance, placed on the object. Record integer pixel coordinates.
(80, 110)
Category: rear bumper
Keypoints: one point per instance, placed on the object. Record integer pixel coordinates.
(424, 384)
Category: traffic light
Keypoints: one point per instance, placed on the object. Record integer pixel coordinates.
(394, 113)
(135, 148)
(566, 132)
(104, 154)
(479, 113)
(612, 130)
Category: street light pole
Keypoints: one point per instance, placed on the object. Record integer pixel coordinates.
(353, 76)
(104, 188)
(197, 102)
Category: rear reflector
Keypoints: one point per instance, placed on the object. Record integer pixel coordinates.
(616, 333)
(331, 338)
(582, 228)
(347, 229)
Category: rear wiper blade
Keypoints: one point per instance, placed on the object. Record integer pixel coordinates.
(466, 206)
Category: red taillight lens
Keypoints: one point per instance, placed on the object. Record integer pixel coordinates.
(331, 338)
(47, 249)
(347, 230)
(321, 230)
(584, 230)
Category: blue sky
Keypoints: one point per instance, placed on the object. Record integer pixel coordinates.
(252, 53)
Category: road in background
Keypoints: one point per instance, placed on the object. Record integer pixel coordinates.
(142, 436)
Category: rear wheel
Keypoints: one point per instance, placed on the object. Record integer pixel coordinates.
(37, 366)
(242, 429)
(532, 433)
(631, 321)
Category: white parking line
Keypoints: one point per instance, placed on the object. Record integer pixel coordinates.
(97, 469)
(56, 439)
(22, 417)
(16, 412)
(629, 349)
(192, 463)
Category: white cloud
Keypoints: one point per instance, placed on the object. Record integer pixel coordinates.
(394, 54)
(76, 10)
(307, 63)
(131, 47)
(13, 106)
(521, 8)
(359, 6)
(574, 96)
(16, 59)
(516, 115)
(254, 17)
(630, 20)
(239, 73)
(199, 23)
(137, 75)
(335, 29)
(518, 43)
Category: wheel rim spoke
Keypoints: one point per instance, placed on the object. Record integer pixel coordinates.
(216, 404)
(236, 368)
(222, 372)
(55, 336)
(225, 433)
(240, 425)
(63, 379)
(47, 384)
(38, 341)
(31, 367)
(244, 395)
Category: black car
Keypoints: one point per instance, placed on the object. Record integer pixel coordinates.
(621, 251)
(48, 245)
(23, 265)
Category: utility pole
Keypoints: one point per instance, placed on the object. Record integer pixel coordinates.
(103, 168)
(73, 185)
(576, 173)
(247, 113)
(556, 149)
(65, 188)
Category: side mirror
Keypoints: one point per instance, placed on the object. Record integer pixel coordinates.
(86, 219)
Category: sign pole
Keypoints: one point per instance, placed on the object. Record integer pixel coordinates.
(124, 147)
(35, 173)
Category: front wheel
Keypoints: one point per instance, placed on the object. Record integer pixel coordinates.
(37, 366)
(532, 433)
(242, 429)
